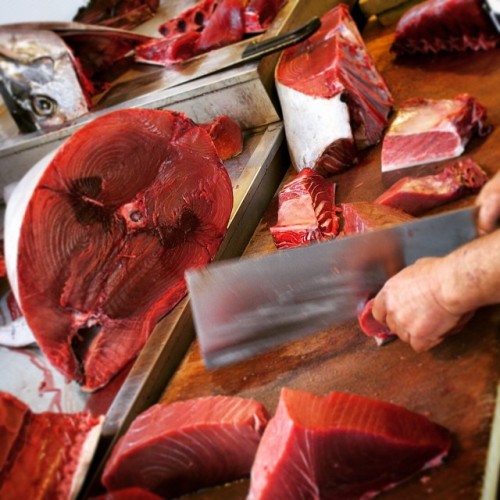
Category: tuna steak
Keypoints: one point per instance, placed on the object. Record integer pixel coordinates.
(445, 25)
(44, 455)
(326, 447)
(306, 211)
(415, 195)
(178, 448)
(334, 100)
(363, 216)
(428, 130)
(101, 232)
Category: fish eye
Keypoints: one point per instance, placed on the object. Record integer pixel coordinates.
(43, 105)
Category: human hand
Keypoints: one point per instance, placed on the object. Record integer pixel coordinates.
(488, 201)
(411, 306)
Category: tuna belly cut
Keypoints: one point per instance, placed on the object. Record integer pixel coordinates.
(429, 130)
(334, 100)
(47, 454)
(187, 445)
(341, 446)
(101, 232)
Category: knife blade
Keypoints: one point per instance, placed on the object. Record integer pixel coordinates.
(204, 64)
(242, 307)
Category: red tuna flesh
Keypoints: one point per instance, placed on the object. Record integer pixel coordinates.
(169, 50)
(259, 14)
(178, 448)
(326, 447)
(428, 130)
(101, 55)
(371, 327)
(415, 195)
(128, 494)
(125, 14)
(445, 25)
(193, 19)
(208, 25)
(333, 98)
(101, 233)
(226, 26)
(226, 135)
(45, 455)
(363, 216)
(306, 211)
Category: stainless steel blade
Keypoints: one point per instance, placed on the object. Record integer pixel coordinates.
(242, 307)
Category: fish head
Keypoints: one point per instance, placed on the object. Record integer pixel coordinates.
(38, 80)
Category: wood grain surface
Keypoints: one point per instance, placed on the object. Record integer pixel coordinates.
(455, 383)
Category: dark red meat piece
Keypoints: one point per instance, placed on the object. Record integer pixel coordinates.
(193, 19)
(342, 446)
(128, 494)
(187, 445)
(371, 327)
(226, 26)
(363, 216)
(43, 455)
(101, 55)
(208, 25)
(167, 51)
(227, 136)
(428, 130)
(259, 14)
(306, 211)
(415, 195)
(125, 14)
(445, 25)
(331, 78)
(127, 204)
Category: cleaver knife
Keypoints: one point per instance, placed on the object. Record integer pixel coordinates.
(244, 306)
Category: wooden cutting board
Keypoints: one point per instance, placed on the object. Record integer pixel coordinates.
(455, 384)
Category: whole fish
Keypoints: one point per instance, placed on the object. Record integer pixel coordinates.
(39, 81)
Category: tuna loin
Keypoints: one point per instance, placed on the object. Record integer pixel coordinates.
(43, 455)
(178, 448)
(445, 25)
(100, 233)
(333, 98)
(306, 211)
(428, 130)
(415, 195)
(342, 446)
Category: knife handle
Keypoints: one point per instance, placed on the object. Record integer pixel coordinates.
(256, 50)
